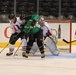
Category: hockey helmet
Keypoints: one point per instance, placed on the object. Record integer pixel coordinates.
(41, 18)
(35, 17)
(11, 16)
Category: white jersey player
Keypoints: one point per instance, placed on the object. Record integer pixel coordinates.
(16, 34)
(47, 30)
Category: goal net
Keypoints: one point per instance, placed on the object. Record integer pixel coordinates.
(64, 31)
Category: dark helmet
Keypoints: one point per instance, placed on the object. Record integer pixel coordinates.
(23, 17)
(11, 16)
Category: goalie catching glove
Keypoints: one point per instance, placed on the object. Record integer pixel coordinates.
(52, 36)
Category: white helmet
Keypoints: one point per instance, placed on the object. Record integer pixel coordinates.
(41, 19)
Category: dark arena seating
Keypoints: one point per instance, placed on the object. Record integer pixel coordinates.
(50, 9)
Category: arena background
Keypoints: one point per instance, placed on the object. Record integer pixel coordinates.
(50, 9)
(64, 63)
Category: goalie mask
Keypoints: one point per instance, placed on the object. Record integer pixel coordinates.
(41, 21)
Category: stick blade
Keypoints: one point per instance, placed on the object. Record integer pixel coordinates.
(65, 41)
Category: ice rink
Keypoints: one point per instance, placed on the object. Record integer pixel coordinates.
(64, 64)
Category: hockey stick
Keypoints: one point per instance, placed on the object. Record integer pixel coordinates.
(20, 44)
(4, 48)
(17, 50)
(7, 45)
(68, 42)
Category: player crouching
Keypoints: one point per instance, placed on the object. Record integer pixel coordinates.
(49, 38)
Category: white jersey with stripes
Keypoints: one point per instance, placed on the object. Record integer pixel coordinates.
(15, 26)
(46, 28)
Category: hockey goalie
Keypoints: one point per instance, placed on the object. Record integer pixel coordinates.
(50, 39)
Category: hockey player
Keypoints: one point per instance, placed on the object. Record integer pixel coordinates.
(47, 32)
(16, 34)
(35, 33)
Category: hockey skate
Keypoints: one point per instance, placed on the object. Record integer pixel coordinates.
(26, 55)
(23, 54)
(9, 54)
(42, 55)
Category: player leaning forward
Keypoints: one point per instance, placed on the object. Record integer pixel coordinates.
(16, 34)
(35, 34)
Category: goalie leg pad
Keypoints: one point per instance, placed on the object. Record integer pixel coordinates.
(51, 45)
(56, 52)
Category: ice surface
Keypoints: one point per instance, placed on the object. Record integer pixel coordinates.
(64, 64)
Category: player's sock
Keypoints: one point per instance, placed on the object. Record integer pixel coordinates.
(23, 51)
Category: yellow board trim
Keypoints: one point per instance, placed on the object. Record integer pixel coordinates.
(60, 43)
(3, 44)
